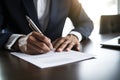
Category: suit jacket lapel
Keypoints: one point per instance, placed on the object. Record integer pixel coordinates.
(52, 14)
(31, 11)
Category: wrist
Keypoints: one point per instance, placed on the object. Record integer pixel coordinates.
(74, 36)
(12, 41)
(16, 45)
(77, 35)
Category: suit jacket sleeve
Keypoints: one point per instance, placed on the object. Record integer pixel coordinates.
(4, 36)
(82, 23)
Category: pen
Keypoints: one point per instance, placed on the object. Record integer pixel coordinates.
(33, 25)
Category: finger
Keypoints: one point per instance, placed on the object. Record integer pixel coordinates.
(38, 45)
(53, 43)
(33, 50)
(43, 46)
(58, 43)
(63, 46)
(70, 46)
(43, 38)
(78, 46)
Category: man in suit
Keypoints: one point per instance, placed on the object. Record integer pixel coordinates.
(49, 16)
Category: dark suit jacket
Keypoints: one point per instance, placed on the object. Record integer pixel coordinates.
(13, 20)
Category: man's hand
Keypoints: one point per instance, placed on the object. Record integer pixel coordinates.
(34, 43)
(66, 43)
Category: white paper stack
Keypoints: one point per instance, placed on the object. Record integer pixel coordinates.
(52, 58)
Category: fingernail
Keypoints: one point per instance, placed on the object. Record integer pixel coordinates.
(60, 49)
(67, 49)
(51, 47)
(78, 48)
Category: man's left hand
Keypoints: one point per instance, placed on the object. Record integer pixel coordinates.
(66, 43)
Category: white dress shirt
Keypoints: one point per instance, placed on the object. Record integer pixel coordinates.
(42, 7)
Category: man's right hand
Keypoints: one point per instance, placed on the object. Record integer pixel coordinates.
(34, 43)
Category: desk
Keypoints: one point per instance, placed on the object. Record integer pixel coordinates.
(106, 66)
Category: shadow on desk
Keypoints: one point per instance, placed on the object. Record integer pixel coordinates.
(111, 47)
(86, 44)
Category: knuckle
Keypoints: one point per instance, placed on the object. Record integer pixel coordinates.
(29, 39)
(49, 40)
(66, 42)
(61, 40)
(44, 38)
(42, 45)
(32, 33)
(78, 43)
(65, 38)
(72, 43)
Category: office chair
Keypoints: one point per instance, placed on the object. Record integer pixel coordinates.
(109, 24)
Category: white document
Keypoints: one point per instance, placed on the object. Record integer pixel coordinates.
(52, 58)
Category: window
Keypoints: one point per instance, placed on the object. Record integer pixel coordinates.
(96, 8)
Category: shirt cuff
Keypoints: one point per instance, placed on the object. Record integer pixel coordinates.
(12, 40)
(77, 34)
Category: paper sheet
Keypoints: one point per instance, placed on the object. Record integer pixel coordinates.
(52, 58)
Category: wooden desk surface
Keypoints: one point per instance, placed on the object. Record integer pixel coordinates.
(106, 66)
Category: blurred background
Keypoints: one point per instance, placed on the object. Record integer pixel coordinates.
(95, 9)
